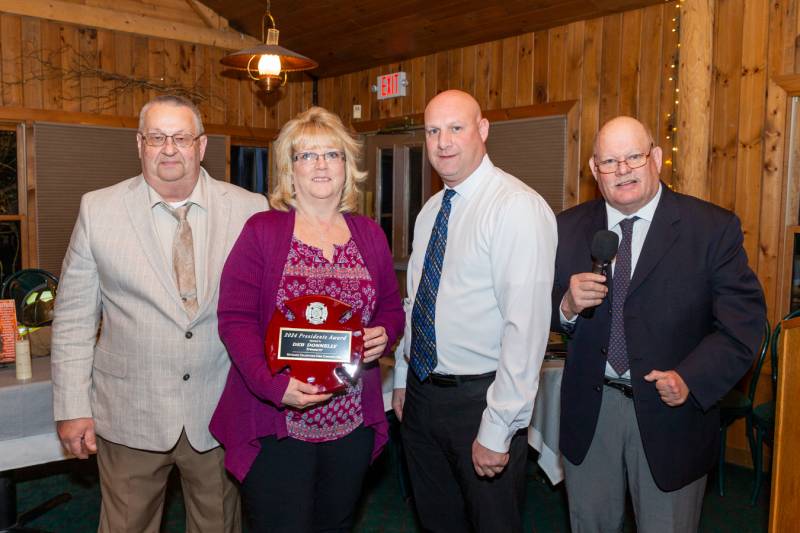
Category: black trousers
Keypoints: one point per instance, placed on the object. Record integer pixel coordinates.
(439, 427)
(297, 487)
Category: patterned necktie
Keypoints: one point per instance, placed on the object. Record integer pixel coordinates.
(183, 260)
(423, 316)
(617, 346)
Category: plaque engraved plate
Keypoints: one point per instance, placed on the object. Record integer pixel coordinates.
(322, 344)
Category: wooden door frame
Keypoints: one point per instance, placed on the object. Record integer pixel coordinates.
(400, 142)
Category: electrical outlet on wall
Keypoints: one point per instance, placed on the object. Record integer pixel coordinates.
(357, 111)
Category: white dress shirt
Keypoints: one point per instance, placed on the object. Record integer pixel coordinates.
(166, 224)
(640, 229)
(493, 304)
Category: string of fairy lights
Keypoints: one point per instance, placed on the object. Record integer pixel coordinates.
(671, 117)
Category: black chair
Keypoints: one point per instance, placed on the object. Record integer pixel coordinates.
(735, 405)
(34, 292)
(763, 419)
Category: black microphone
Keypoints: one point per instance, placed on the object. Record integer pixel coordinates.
(604, 248)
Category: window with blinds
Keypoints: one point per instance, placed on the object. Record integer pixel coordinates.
(535, 151)
(74, 159)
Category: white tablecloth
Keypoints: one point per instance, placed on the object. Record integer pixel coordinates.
(543, 431)
(27, 430)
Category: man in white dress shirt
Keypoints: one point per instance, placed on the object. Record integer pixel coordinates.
(480, 274)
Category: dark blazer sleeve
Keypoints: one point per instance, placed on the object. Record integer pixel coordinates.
(573, 255)
(560, 287)
(723, 356)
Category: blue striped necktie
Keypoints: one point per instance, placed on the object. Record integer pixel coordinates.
(617, 346)
(423, 317)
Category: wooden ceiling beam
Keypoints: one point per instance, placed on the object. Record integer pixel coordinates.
(209, 17)
(139, 24)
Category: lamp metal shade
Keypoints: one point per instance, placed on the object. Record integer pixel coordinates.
(290, 61)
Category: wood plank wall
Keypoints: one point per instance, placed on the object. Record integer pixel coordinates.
(617, 64)
(62, 67)
(623, 64)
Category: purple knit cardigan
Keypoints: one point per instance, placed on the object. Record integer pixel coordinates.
(250, 406)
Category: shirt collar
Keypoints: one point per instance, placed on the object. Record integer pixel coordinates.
(468, 187)
(198, 196)
(647, 212)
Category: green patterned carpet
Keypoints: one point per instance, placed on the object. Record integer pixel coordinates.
(383, 508)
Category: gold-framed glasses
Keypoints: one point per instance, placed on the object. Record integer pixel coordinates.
(181, 140)
(310, 158)
(633, 161)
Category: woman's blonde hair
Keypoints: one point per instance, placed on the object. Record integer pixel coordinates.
(315, 127)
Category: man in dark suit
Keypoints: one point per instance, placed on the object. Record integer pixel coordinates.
(673, 331)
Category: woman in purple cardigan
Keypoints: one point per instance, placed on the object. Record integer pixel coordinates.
(301, 454)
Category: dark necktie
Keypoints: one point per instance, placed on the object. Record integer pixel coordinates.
(183, 260)
(617, 346)
(423, 317)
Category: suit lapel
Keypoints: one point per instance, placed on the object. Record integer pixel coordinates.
(661, 236)
(137, 204)
(219, 216)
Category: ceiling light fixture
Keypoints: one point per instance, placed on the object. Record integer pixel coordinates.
(268, 63)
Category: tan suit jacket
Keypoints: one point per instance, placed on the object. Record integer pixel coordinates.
(151, 371)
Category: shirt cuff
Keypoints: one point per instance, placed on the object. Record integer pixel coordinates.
(400, 375)
(494, 436)
(564, 320)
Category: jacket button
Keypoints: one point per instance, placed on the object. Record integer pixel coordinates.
(604, 350)
(188, 335)
(186, 377)
(598, 389)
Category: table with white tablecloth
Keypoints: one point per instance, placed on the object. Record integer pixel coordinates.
(543, 431)
(27, 430)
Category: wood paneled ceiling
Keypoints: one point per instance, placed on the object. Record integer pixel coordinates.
(350, 35)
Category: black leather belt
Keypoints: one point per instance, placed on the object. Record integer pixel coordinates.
(449, 380)
(625, 389)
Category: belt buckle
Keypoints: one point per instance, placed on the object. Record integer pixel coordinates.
(626, 390)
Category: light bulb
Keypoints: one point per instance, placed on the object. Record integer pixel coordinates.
(269, 65)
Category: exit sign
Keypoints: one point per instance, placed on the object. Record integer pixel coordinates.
(392, 85)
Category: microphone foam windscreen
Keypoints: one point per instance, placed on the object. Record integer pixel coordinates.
(604, 245)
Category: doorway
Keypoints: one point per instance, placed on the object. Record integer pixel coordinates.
(400, 182)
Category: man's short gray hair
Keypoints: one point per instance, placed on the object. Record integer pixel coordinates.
(173, 100)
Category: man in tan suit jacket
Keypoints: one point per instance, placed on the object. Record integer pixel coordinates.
(141, 392)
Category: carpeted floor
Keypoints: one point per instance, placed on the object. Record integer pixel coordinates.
(384, 508)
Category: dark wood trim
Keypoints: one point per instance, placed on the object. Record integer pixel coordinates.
(789, 83)
(783, 302)
(416, 120)
(22, 114)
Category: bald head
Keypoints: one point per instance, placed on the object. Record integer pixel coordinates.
(624, 142)
(455, 133)
(454, 99)
(623, 124)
